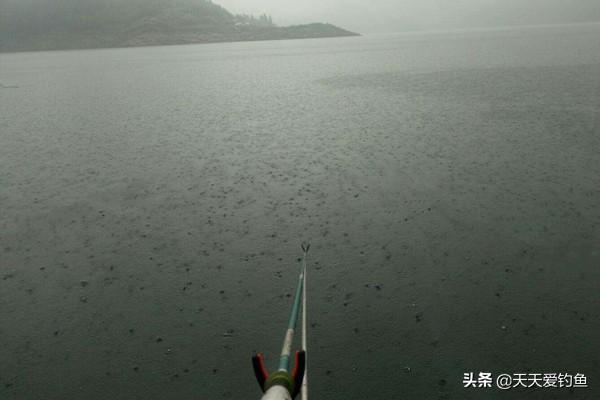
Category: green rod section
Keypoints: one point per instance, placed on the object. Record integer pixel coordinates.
(284, 359)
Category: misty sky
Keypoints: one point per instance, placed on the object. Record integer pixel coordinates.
(368, 16)
(362, 15)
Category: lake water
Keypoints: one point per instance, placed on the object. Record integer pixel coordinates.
(153, 201)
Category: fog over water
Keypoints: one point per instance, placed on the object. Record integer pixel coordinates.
(364, 16)
(370, 16)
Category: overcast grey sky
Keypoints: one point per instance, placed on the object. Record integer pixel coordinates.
(367, 16)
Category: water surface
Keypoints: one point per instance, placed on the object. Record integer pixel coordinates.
(153, 201)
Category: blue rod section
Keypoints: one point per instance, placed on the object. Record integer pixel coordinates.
(284, 360)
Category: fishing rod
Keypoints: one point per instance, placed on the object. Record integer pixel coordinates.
(304, 388)
(284, 384)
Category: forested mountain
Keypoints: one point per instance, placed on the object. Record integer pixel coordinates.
(64, 24)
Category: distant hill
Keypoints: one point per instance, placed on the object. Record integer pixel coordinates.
(72, 24)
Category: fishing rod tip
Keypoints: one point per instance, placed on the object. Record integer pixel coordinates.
(305, 246)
